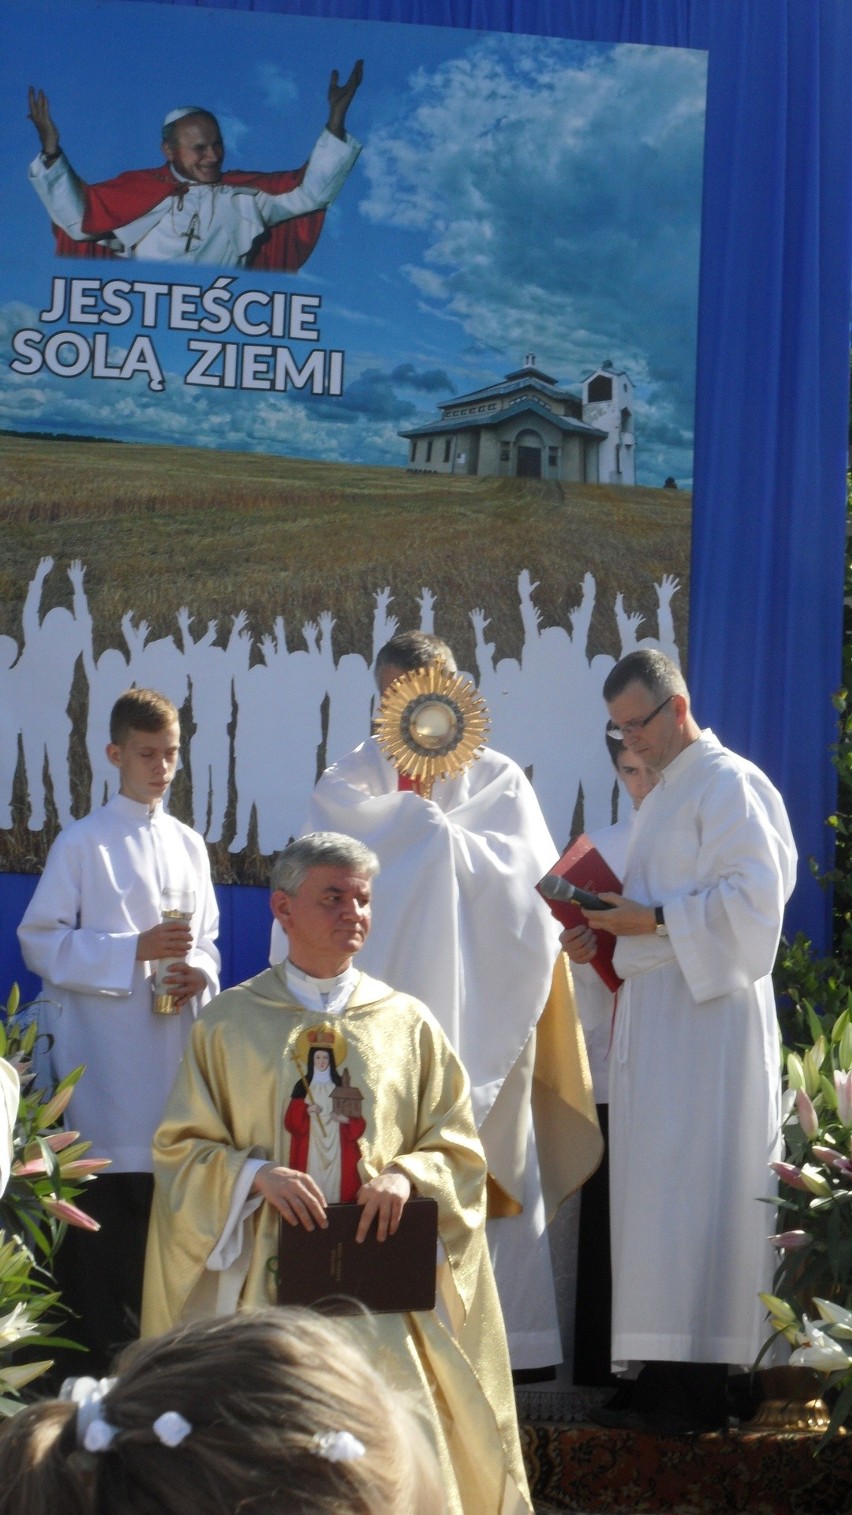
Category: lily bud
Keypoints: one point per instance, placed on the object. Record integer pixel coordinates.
(808, 1118)
(824, 1154)
(843, 1088)
(791, 1241)
(83, 1167)
(813, 1180)
(58, 1140)
(846, 1047)
(839, 1026)
(34, 1167)
(15, 1375)
(836, 1316)
(789, 1174)
(810, 1069)
(829, 1093)
(780, 1308)
(71, 1214)
(782, 1317)
(55, 1107)
(795, 1071)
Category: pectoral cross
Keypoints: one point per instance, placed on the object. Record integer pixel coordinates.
(193, 233)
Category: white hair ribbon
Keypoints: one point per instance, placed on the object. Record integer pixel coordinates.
(338, 1446)
(94, 1432)
(171, 1429)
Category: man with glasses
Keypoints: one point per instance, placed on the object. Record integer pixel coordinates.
(694, 1079)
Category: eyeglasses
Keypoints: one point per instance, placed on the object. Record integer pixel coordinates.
(632, 728)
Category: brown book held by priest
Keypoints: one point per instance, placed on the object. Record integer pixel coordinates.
(583, 865)
(330, 1268)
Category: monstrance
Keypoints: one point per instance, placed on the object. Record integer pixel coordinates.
(432, 725)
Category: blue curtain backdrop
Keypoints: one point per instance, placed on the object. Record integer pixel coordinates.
(773, 367)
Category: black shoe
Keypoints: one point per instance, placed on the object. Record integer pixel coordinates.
(649, 1422)
(622, 1399)
(521, 1376)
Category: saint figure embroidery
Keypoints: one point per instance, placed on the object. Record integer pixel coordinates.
(323, 1116)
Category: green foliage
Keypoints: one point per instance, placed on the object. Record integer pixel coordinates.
(814, 1278)
(49, 1168)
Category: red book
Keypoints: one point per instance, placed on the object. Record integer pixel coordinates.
(582, 864)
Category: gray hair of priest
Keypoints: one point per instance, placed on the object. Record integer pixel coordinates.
(647, 666)
(320, 849)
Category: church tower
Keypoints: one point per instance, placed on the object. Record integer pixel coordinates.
(608, 404)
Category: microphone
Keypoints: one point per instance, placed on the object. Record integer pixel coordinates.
(554, 887)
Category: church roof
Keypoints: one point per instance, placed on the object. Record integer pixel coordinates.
(525, 378)
(496, 418)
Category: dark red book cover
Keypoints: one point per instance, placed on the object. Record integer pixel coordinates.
(329, 1268)
(582, 864)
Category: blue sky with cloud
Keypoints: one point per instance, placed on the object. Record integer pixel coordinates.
(514, 195)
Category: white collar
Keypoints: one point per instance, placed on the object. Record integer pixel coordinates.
(326, 995)
(140, 809)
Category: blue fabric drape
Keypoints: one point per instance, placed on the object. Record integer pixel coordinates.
(772, 357)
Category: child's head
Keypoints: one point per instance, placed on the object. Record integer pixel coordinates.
(637, 778)
(277, 1412)
(144, 743)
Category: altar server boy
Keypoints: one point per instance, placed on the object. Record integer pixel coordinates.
(95, 932)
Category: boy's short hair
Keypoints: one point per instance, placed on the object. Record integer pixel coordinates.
(410, 650)
(140, 710)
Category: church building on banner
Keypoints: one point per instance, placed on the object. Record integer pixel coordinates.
(528, 426)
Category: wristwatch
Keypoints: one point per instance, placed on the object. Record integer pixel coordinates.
(661, 928)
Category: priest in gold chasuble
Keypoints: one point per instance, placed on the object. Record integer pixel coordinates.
(308, 1082)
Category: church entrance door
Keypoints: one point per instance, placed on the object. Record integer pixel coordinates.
(529, 462)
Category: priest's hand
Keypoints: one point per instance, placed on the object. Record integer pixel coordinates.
(627, 918)
(579, 943)
(383, 1197)
(340, 97)
(39, 114)
(294, 1195)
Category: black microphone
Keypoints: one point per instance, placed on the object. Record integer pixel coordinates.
(554, 887)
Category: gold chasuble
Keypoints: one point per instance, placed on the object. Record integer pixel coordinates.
(244, 1065)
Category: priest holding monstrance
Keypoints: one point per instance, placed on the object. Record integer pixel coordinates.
(229, 1170)
(462, 843)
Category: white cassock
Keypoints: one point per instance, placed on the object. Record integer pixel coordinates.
(457, 922)
(694, 1070)
(211, 223)
(102, 885)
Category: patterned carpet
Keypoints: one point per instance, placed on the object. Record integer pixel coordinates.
(589, 1471)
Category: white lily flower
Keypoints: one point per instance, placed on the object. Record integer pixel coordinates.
(839, 1319)
(16, 1326)
(822, 1351)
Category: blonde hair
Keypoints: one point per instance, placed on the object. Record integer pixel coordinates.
(259, 1390)
(140, 710)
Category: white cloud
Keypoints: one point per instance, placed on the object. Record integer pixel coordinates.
(276, 86)
(557, 191)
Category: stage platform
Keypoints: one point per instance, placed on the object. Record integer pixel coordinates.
(579, 1467)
